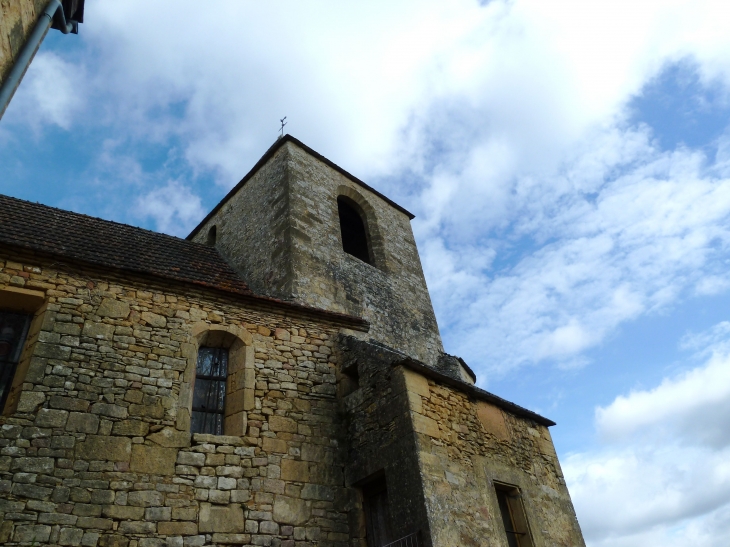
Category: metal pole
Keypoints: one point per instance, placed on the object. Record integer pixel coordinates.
(28, 51)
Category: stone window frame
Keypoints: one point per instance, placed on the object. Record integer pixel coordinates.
(241, 375)
(35, 304)
(357, 201)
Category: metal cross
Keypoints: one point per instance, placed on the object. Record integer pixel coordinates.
(283, 123)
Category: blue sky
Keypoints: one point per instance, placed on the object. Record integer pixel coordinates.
(568, 163)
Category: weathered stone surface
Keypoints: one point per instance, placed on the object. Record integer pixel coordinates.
(123, 512)
(224, 519)
(177, 528)
(277, 423)
(32, 533)
(82, 423)
(289, 510)
(427, 426)
(170, 437)
(145, 498)
(154, 320)
(30, 400)
(154, 460)
(293, 470)
(98, 331)
(492, 419)
(102, 447)
(132, 428)
(48, 417)
(115, 309)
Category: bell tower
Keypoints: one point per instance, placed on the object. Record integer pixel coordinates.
(300, 228)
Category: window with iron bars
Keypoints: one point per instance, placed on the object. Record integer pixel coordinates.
(209, 393)
(13, 331)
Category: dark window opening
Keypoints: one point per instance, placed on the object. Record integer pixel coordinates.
(377, 513)
(13, 331)
(350, 379)
(352, 228)
(212, 236)
(209, 394)
(513, 516)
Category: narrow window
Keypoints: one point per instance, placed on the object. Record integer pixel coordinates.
(212, 236)
(209, 394)
(513, 516)
(352, 228)
(13, 331)
(377, 513)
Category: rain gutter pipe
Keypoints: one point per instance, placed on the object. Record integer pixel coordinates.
(17, 71)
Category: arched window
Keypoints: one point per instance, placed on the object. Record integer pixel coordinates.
(212, 236)
(209, 394)
(352, 228)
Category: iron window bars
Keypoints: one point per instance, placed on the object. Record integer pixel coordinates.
(209, 394)
(13, 331)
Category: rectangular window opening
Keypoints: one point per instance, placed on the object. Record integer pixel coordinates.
(377, 513)
(13, 332)
(513, 516)
(209, 393)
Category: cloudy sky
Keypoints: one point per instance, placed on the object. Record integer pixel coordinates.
(568, 163)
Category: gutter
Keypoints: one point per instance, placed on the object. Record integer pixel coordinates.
(54, 10)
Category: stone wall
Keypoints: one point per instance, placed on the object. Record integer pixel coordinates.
(290, 205)
(95, 449)
(380, 435)
(465, 445)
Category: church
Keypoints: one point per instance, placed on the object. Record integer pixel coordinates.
(275, 379)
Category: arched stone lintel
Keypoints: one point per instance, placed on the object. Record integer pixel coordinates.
(370, 219)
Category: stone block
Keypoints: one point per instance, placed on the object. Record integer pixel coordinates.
(492, 419)
(294, 470)
(113, 411)
(137, 527)
(102, 447)
(49, 417)
(30, 400)
(170, 438)
(222, 519)
(236, 424)
(113, 308)
(191, 458)
(123, 512)
(276, 446)
(426, 425)
(232, 539)
(70, 536)
(177, 528)
(416, 383)
(154, 460)
(113, 540)
(81, 422)
(154, 320)
(90, 539)
(98, 331)
(68, 403)
(279, 423)
(318, 492)
(155, 514)
(95, 522)
(145, 498)
(291, 510)
(31, 491)
(32, 534)
(131, 428)
(33, 465)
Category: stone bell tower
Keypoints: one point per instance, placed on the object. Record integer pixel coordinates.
(300, 228)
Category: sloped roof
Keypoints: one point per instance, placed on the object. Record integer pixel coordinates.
(267, 156)
(110, 244)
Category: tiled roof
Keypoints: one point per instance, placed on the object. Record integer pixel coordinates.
(104, 243)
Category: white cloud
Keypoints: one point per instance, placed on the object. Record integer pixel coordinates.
(51, 93)
(663, 474)
(174, 208)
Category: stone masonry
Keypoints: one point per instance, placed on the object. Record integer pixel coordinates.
(96, 448)
(17, 19)
(279, 229)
